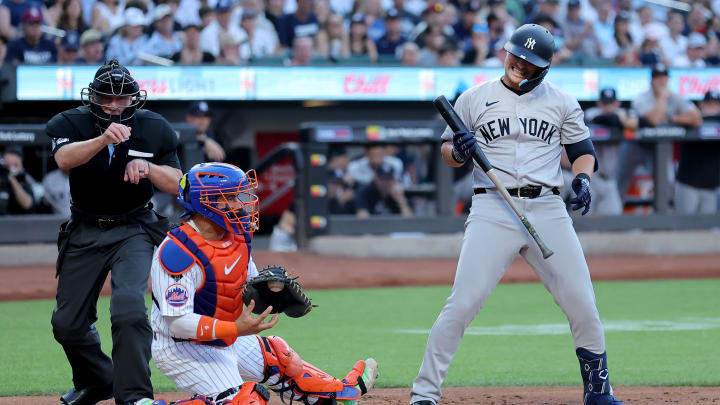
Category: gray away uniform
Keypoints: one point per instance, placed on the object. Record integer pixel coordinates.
(522, 137)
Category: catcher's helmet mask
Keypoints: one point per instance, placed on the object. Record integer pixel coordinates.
(222, 193)
(112, 79)
(536, 45)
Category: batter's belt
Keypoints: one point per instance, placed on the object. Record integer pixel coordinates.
(522, 192)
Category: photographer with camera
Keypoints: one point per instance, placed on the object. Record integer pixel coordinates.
(15, 191)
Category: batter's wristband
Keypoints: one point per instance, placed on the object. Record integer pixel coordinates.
(583, 176)
(457, 157)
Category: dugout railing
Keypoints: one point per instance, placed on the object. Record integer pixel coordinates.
(318, 137)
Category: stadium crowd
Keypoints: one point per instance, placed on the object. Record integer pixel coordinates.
(302, 32)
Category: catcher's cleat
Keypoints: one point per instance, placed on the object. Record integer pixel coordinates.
(365, 381)
(87, 396)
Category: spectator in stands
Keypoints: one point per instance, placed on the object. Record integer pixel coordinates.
(627, 54)
(675, 44)
(393, 38)
(698, 175)
(340, 190)
(321, 9)
(410, 54)
(448, 55)
(302, 52)
(210, 36)
(332, 40)
(174, 6)
(361, 171)
(274, 12)
(432, 41)
(229, 51)
(200, 116)
(468, 19)
(655, 107)
(68, 47)
(580, 36)
(694, 57)
(164, 42)
(477, 46)
(191, 53)
(549, 8)
(32, 48)
(11, 16)
(207, 16)
(360, 43)
(383, 195)
(265, 37)
(372, 12)
(604, 30)
(498, 58)
(408, 20)
(650, 52)
(71, 17)
(92, 48)
(697, 17)
(496, 31)
(301, 23)
(57, 191)
(257, 43)
(16, 196)
(107, 16)
(126, 45)
(561, 52)
(646, 22)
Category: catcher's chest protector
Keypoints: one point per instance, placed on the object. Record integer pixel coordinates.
(225, 266)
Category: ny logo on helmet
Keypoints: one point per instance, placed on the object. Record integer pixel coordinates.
(530, 43)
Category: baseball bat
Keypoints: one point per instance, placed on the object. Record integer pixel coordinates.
(455, 123)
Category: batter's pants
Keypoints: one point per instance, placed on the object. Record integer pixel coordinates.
(494, 237)
(126, 252)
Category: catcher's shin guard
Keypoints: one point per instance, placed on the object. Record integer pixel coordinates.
(305, 381)
(596, 378)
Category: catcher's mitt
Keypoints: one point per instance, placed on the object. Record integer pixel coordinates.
(274, 286)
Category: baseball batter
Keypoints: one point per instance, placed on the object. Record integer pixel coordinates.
(521, 122)
(203, 339)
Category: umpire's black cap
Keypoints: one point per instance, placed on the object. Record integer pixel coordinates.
(532, 43)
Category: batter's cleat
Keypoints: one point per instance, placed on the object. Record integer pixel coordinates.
(596, 378)
(87, 396)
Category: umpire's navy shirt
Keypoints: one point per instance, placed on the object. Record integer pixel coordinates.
(97, 187)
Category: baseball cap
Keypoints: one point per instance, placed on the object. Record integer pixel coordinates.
(434, 8)
(90, 36)
(199, 108)
(223, 5)
(161, 11)
(621, 16)
(495, 2)
(71, 41)
(471, 6)
(32, 15)
(659, 69)
(712, 95)
(696, 40)
(134, 17)
(357, 18)
(607, 95)
(392, 14)
(14, 149)
(573, 3)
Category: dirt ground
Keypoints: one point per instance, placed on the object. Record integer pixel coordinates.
(321, 272)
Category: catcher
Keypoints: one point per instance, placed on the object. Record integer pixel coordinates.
(201, 274)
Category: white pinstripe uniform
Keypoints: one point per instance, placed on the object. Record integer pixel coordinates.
(198, 368)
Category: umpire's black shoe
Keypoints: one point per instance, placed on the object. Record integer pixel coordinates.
(423, 403)
(87, 396)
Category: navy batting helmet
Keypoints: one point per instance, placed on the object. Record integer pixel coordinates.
(536, 45)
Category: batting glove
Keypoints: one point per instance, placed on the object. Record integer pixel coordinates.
(581, 187)
(463, 143)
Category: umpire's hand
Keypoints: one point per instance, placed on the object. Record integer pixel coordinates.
(581, 187)
(116, 133)
(137, 169)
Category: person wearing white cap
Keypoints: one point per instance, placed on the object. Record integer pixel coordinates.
(164, 42)
(130, 39)
(694, 57)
